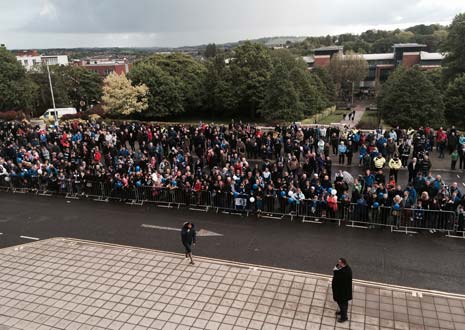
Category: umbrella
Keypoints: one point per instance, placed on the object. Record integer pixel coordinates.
(347, 177)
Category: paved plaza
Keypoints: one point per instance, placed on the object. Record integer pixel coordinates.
(73, 284)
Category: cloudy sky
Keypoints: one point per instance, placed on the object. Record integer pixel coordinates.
(103, 23)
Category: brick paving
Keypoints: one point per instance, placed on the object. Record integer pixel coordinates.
(78, 285)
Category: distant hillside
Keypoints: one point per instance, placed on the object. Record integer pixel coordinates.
(371, 41)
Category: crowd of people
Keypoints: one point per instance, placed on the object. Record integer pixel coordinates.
(289, 163)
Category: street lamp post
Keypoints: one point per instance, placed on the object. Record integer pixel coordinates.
(51, 92)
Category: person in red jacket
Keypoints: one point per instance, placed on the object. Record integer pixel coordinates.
(97, 155)
(441, 139)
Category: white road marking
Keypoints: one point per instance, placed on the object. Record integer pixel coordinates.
(160, 227)
(205, 233)
(200, 232)
(29, 237)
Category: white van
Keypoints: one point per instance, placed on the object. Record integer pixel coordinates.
(51, 114)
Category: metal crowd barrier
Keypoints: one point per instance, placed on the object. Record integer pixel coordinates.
(406, 220)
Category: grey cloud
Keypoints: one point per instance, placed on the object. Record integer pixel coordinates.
(156, 16)
(121, 16)
(188, 22)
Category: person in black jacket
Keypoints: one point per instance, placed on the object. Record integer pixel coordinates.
(342, 288)
(188, 237)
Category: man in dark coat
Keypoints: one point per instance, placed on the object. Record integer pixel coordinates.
(342, 288)
(188, 237)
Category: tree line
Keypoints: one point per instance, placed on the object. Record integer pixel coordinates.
(251, 82)
(376, 41)
(435, 97)
(29, 92)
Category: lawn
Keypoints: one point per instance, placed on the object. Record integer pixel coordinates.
(334, 117)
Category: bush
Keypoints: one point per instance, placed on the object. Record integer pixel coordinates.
(9, 115)
(79, 115)
(96, 110)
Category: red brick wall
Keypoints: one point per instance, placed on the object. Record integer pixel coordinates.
(410, 60)
(322, 61)
(101, 69)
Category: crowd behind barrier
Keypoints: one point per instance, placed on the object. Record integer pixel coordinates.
(343, 213)
(206, 166)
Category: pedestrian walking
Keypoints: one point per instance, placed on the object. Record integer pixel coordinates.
(342, 288)
(188, 237)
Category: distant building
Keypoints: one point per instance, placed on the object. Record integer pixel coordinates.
(104, 66)
(31, 58)
(381, 65)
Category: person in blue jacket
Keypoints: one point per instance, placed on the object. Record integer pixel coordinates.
(342, 149)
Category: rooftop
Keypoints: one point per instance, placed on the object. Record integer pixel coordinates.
(308, 59)
(409, 45)
(328, 48)
(376, 57)
(425, 56)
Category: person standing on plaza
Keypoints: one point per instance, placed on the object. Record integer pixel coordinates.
(342, 149)
(188, 237)
(394, 166)
(342, 288)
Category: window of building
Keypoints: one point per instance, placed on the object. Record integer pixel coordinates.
(51, 60)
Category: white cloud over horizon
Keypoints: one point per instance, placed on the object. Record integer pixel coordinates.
(172, 23)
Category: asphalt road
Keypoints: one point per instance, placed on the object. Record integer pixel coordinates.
(422, 260)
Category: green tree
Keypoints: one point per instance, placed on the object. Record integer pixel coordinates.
(72, 86)
(454, 63)
(292, 92)
(165, 97)
(176, 82)
(408, 98)
(220, 96)
(323, 81)
(281, 100)
(16, 89)
(121, 97)
(211, 51)
(84, 87)
(437, 78)
(42, 97)
(308, 86)
(455, 102)
(251, 69)
(311, 95)
(351, 68)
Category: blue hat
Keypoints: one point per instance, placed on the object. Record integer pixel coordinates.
(375, 205)
(283, 193)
